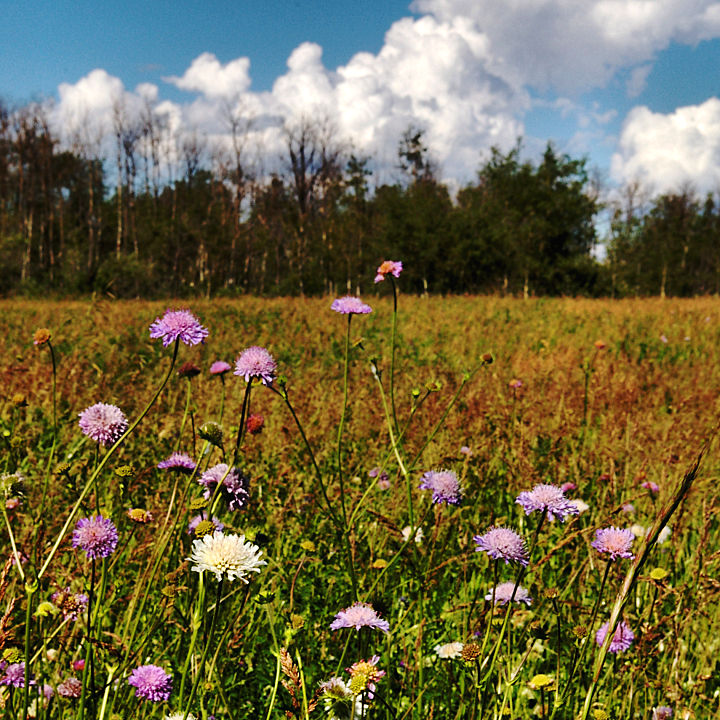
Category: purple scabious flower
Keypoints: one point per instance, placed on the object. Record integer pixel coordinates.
(359, 615)
(70, 604)
(103, 423)
(350, 305)
(178, 324)
(549, 499)
(503, 592)
(256, 362)
(177, 461)
(15, 675)
(96, 535)
(195, 521)
(662, 712)
(234, 488)
(151, 683)
(70, 688)
(445, 486)
(502, 543)
(220, 367)
(614, 541)
(388, 267)
(622, 639)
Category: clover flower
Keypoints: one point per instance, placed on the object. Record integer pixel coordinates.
(177, 461)
(614, 541)
(350, 305)
(96, 535)
(549, 499)
(70, 688)
(622, 639)
(504, 591)
(256, 363)
(226, 556)
(220, 367)
(234, 486)
(449, 651)
(502, 543)
(359, 615)
(151, 683)
(103, 423)
(445, 486)
(178, 325)
(388, 267)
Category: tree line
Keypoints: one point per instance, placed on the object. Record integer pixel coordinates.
(76, 219)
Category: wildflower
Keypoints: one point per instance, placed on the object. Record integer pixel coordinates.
(103, 423)
(140, 516)
(180, 716)
(359, 615)
(256, 363)
(445, 486)
(654, 488)
(226, 555)
(212, 432)
(541, 681)
(567, 486)
(70, 688)
(234, 486)
(470, 652)
(515, 384)
(178, 325)
(659, 573)
(549, 499)
(581, 505)
(151, 683)
(418, 535)
(383, 480)
(363, 676)
(449, 651)
(614, 541)
(70, 604)
(203, 517)
(664, 535)
(340, 703)
(600, 344)
(78, 665)
(220, 367)
(637, 530)
(188, 370)
(254, 424)
(15, 675)
(503, 592)
(465, 450)
(177, 461)
(628, 508)
(96, 535)
(388, 267)
(41, 336)
(46, 608)
(350, 305)
(502, 543)
(662, 712)
(622, 639)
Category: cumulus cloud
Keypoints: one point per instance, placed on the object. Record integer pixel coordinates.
(208, 76)
(665, 152)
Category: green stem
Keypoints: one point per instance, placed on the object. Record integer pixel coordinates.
(186, 412)
(243, 418)
(30, 590)
(341, 425)
(392, 353)
(197, 622)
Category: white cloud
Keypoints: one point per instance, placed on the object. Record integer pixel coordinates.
(665, 152)
(208, 76)
(637, 80)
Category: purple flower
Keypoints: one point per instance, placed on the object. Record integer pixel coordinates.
(504, 591)
(70, 604)
(622, 639)
(549, 499)
(234, 488)
(70, 688)
(220, 367)
(388, 267)
(383, 479)
(151, 683)
(445, 486)
(662, 712)
(256, 362)
(178, 324)
(96, 535)
(502, 543)
(15, 675)
(350, 305)
(614, 541)
(195, 521)
(178, 461)
(103, 423)
(359, 615)
(651, 486)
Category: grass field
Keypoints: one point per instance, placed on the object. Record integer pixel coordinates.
(612, 400)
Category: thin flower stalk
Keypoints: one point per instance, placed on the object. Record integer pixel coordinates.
(243, 418)
(341, 425)
(104, 462)
(49, 464)
(392, 351)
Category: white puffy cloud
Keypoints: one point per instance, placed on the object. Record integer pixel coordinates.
(665, 152)
(208, 76)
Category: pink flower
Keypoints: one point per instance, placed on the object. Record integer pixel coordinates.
(350, 305)
(359, 615)
(389, 267)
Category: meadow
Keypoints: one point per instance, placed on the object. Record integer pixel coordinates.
(467, 491)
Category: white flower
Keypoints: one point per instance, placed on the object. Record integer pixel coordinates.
(226, 555)
(637, 530)
(407, 530)
(664, 535)
(179, 716)
(581, 505)
(449, 650)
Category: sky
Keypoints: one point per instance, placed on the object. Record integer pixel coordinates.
(632, 85)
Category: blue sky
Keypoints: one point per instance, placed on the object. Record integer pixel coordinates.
(631, 84)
